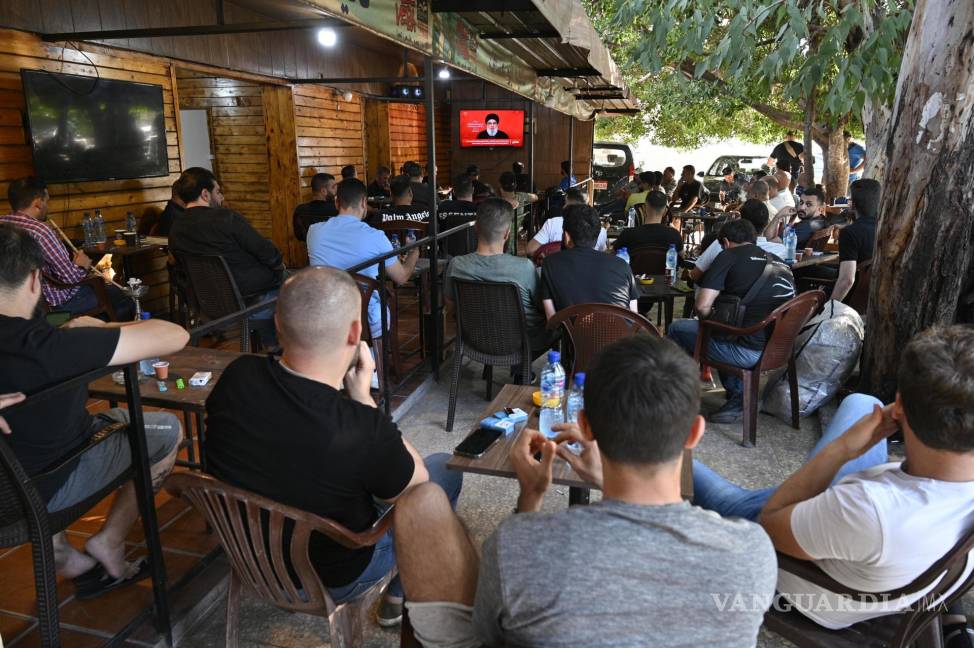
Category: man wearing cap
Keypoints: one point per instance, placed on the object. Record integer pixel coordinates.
(492, 131)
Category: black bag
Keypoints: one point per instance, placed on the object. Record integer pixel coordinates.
(731, 309)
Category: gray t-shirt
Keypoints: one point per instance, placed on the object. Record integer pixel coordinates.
(617, 574)
(504, 268)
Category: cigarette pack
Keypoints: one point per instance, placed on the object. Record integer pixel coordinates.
(200, 378)
(500, 424)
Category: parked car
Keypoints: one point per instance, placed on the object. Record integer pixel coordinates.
(746, 164)
(612, 164)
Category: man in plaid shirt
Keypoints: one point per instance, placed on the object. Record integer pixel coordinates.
(28, 198)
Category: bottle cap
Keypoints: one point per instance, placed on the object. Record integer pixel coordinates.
(554, 356)
(146, 315)
(580, 378)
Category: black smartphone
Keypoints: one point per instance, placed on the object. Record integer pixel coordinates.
(477, 443)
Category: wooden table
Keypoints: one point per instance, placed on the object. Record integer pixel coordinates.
(659, 291)
(814, 261)
(146, 245)
(496, 460)
(191, 401)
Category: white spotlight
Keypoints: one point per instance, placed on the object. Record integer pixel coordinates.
(348, 96)
(444, 73)
(327, 37)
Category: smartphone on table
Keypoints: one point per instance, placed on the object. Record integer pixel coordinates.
(477, 443)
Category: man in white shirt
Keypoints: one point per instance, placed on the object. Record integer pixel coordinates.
(779, 193)
(874, 526)
(754, 211)
(551, 231)
(758, 190)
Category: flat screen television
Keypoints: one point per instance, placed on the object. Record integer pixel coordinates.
(491, 128)
(88, 128)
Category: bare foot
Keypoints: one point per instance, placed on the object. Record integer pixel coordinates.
(110, 554)
(68, 561)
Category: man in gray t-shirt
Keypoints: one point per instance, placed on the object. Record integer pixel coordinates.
(490, 263)
(640, 568)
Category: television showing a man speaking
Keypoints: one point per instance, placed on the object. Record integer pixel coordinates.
(491, 128)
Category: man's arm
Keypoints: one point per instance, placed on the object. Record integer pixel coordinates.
(256, 245)
(147, 339)
(704, 302)
(420, 474)
(60, 265)
(402, 271)
(532, 247)
(847, 277)
(815, 477)
(549, 308)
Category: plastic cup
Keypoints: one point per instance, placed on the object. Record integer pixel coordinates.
(799, 255)
(131, 239)
(808, 251)
(162, 369)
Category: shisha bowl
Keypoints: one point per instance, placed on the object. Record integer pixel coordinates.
(135, 292)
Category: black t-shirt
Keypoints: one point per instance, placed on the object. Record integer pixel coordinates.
(452, 213)
(808, 226)
(254, 261)
(689, 191)
(168, 217)
(33, 356)
(309, 213)
(422, 194)
(303, 444)
(392, 213)
(736, 269)
(650, 234)
(376, 189)
(523, 181)
(586, 276)
(857, 241)
(781, 154)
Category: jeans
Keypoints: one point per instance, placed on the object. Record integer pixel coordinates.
(384, 555)
(713, 492)
(263, 320)
(84, 300)
(684, 332)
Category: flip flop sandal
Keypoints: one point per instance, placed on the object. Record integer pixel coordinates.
(92, 587)
(94, 574)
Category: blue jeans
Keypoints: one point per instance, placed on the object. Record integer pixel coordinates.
(684, 332)
(384, 555)
(263, 320)
(84, 300)
(713, 492)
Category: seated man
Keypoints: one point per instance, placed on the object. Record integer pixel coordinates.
(642, 567)
(690, 190)
(760, 190)
(479, 188)
(455, 212)
(29, 201)
(320, 208)
(580, 274)
(780, 193)
(304, 444)
(175, 207)
(667, 181)
(874, 526)
(345, 241)
(857, 242)
(568, 179)
(652, 232)
(731, 187)
(348, 171)
(522, 178)
(735, 271)
(552, 231)
(402, 208)
(645, 181)
(490, 263)
(422, 193)
(811, 216)
(756, 213)
(34, 356)
(380, 186)
(208, 228)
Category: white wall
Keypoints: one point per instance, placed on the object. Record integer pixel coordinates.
(196, 139)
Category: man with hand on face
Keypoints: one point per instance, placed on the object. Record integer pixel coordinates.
(810, 215)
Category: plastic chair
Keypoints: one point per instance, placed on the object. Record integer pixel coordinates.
(920, 626)
(858, 296)
(544, 251)
(492, 329)
(592, 327)
(104, 307)
(367, 286)
(256, 551)
(779, 351)
(214, 293)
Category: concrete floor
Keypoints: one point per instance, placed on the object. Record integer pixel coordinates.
(485, 501)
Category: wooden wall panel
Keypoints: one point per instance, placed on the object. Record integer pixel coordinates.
(69, 201)
(329, 133)
(284, 172)
(376, 136)
(407, 135)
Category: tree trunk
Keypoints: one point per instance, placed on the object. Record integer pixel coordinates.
(808, 167)
(923, 242)
(875, 114)
(836, 164)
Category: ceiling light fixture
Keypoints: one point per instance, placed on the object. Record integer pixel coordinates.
(327, 37)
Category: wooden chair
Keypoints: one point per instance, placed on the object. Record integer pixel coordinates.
(918, 627)
(253, 531)
(104, 307)
(820, 239)
(544, 251)
(214, 293)
(786, 320)
(492, 329)
(367, 286)
(592, 327)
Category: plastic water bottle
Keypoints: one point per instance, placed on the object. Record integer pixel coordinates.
(394, 239)
(99, 227)
(576, 400)
(88, 226)
(410, 236)
(631, 219)
(623, 253)
(552, 394)
(791, 243)
(671, 261)
(130, 223)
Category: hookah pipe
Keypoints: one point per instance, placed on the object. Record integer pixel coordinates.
(75, 250)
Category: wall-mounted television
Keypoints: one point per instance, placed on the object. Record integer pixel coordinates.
(88, 128)
(491, 128)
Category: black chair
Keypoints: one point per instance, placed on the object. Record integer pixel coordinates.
(214, 294)
(492, 329)
(24, 516)
(651, 260)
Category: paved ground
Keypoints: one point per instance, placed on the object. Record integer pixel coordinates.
(486, 501)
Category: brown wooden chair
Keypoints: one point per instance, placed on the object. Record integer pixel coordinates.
(920, 626)
(252, 532)
(858, 296)
(820, 239)
(104, 307)
(786, 321)
(491, 329)
(545, 250)
(592, 327)
(367, 286)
